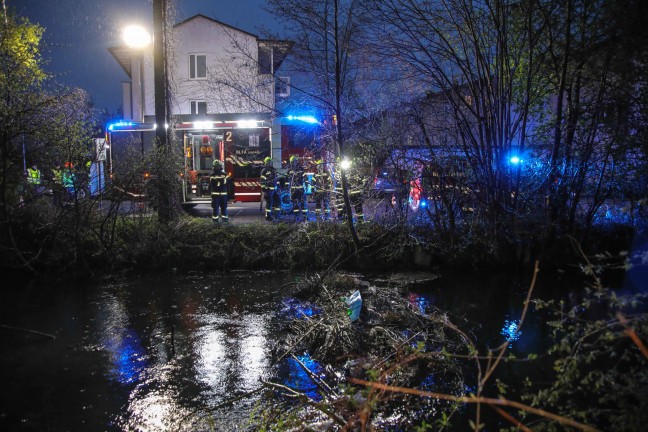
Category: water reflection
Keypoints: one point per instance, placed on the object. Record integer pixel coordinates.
(297, 309)
(510, 331)
(420, 301)
(121, 342)
(298, 378)
(156, 353)
(488, 309)
(206, 344)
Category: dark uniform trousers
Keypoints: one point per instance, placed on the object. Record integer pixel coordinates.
(218, 185)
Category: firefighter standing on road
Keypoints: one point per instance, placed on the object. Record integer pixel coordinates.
(269, 186)
(357, 184)
(322, 194)
(218, 186)
(296, 175)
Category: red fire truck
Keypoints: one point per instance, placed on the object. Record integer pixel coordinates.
(242, 145)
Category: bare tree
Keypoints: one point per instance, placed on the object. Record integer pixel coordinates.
(475, 66)
(327, 35)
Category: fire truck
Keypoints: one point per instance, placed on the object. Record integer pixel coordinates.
(242, 145)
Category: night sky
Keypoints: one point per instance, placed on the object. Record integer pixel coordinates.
(79, 32)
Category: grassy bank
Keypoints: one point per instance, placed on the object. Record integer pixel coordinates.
(81, 243)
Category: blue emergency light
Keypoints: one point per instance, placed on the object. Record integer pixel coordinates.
(305, 119)
(515, 160)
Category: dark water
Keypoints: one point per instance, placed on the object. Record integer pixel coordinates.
(155, 353)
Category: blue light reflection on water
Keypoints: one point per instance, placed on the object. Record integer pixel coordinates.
(296, 309)
(510, 331)
(127, 356)
(298, 378)
(419, 301)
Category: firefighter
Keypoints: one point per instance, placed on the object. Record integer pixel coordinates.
(269, 186)
(357, 186)
(218, 180)
(57, 184)
(34, 178)
(296, 176)
(322, 194)
(68, 179)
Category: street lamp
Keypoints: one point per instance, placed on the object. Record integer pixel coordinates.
(136, 36)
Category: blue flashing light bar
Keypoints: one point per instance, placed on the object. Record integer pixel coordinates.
(120, 124)
(515, 160)
(123, 125)
(305, 119)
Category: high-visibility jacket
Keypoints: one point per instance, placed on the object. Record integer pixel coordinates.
(218, 183)
(296, 175)
(57, 176)
(33, 176)
(68, 179)
(268, 178)
(323, 182)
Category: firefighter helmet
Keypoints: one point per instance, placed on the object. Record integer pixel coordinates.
(293, 158)
(267, 159)
(218, 162)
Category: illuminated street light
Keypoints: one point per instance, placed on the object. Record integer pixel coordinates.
(136, 36)
(345, 164)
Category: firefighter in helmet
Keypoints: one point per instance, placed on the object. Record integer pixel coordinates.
(357, 184)
(296, 176)
(322, 195)
(269, 186)
(218, 180)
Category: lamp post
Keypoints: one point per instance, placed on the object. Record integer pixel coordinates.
(137, 38)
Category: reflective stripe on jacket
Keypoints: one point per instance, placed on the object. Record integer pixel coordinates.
(218, 183)
(33, 176)
(268, 178)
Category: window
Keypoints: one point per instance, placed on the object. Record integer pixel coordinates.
(197, 66)
(265, 60)
(198, 107)
(282, 86)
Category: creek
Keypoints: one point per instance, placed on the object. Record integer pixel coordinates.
(151, 352)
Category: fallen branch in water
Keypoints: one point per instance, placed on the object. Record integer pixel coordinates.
(475, 399)
(28, 331)
(292, 393)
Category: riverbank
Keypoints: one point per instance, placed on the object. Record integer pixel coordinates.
(103, 245)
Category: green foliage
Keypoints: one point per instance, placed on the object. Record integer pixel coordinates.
(600, 374)
(19, 56)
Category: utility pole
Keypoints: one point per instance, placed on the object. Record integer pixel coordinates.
(164, 189)
(159, 70)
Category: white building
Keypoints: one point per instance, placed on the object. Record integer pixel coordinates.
(215, 71)
(221, 103)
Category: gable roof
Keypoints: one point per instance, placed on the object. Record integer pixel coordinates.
(215, 21)
(122, 53)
